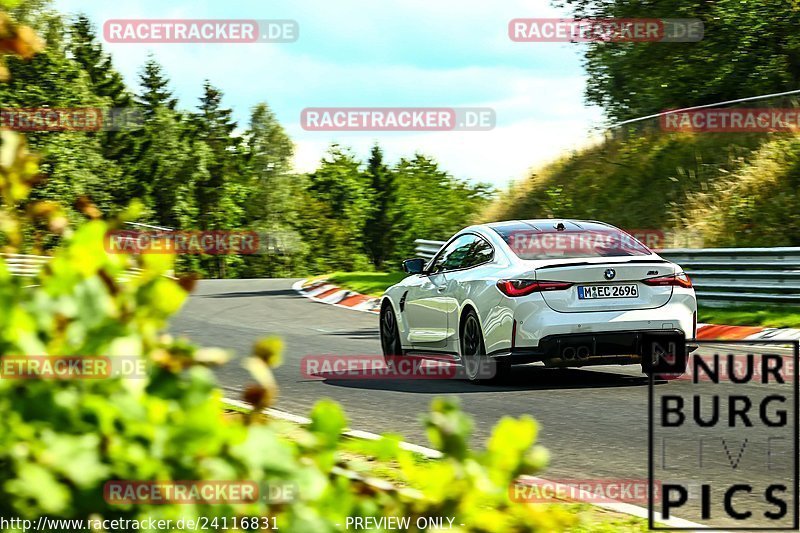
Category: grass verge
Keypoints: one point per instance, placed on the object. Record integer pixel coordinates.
(751, 315)
(369, 283)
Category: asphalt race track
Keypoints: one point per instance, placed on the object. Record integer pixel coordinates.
(594, 422)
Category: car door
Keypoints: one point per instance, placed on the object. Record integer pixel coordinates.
(426, 304)
(434, 303)
(459, 286)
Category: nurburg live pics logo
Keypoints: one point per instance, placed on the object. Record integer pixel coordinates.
(723, 446)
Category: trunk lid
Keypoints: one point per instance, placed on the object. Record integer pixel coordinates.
(594, 277)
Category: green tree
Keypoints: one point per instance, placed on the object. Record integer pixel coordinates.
(74, 161)
(380, 231)
(155, 91)
(269, 153)
(192, 171)
(105, 82)
(336, 206)
(339, 182)
(164, 159)
(435, 204)
(271, 206)
(747, 49)
(165, 165)
(88, 52)
(213, 127)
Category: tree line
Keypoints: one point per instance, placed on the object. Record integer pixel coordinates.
(748, 48)
(198, 169)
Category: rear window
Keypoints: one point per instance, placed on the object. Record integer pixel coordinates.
(536, 244)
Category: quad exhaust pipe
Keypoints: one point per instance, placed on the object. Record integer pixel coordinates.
(570, 353)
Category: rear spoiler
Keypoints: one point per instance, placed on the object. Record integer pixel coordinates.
(584, 263)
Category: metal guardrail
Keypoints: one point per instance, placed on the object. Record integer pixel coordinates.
(427, 249)
(738, 275)
(722, 276)
(24, 265)
(29, 266)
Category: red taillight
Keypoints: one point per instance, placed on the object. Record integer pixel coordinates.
(522, 287)
(675, 280)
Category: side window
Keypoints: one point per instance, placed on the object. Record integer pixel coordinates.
(479, 252)
(464, 252)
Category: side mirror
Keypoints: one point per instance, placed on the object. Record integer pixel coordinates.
(414, 266)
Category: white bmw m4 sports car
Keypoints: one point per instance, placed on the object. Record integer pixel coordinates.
(568, 293)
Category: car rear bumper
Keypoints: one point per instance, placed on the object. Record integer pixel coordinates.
(579, 349)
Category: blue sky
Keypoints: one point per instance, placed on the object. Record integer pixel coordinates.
(387, 53)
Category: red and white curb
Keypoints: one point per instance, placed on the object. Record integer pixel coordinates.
(322, 291)
(581, 496)
(715, 331)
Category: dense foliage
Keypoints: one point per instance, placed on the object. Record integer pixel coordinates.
(700, 189)
(748, 48)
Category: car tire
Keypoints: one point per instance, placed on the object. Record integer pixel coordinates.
(390, 335)
(478, 367)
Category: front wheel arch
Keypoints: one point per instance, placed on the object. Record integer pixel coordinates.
(394, 344)
(462, 318)
(387, 302)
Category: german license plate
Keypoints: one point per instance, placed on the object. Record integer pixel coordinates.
(594, 292)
